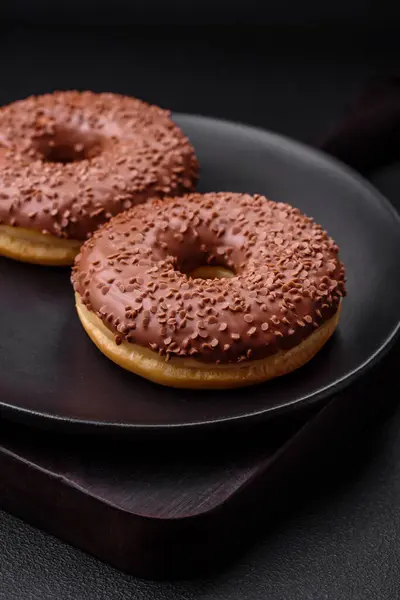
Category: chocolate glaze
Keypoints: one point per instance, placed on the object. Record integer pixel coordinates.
(71, 160)
(289, 279)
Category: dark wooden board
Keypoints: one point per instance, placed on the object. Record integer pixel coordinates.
(179, 506)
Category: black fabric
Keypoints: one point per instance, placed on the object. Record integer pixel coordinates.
(342, 542)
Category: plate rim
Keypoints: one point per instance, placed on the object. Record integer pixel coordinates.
(28, 416)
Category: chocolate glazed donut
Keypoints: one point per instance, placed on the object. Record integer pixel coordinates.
(273, 302)
(71, 160)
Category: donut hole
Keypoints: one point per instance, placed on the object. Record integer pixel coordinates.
(199, 258)
(69, 146)
(211, 272)
(198, 267)
(64, 153)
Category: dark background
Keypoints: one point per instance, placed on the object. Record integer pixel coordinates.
(287, 66)
(209, 11)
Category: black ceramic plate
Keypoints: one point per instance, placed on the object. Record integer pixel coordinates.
(51, 373)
